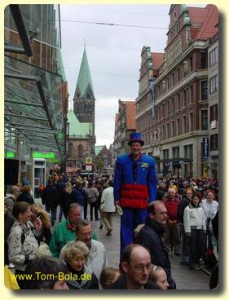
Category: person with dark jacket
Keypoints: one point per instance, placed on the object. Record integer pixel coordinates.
(135, 267)
(150, 236)
(66, 198)
(79, 195)
(8, 222)
(50, 199)
(161, 190)
(60, 185)
(25, 195)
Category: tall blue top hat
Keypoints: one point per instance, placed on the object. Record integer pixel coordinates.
(136, 137)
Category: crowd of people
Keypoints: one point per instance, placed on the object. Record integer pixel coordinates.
(180, 217)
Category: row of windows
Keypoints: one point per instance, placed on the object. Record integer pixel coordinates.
(171, 106)
(79, 153)
(175, 128)
(188, 152)
(180, 72)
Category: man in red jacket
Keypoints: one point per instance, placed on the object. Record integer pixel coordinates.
(172, 233)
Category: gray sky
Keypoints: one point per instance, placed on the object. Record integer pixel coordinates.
(114, 52)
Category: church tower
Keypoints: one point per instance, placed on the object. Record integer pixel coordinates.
(84, 99)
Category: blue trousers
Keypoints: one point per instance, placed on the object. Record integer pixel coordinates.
(130, 219)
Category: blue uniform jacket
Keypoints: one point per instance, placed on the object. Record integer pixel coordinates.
(135, 181)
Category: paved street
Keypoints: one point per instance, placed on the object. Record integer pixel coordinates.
(185, 278)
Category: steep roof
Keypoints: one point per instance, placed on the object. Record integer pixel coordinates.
(204, 21)
(76, 128)
(84, 78)
(130, 107)
(157, 59)
(98, 149)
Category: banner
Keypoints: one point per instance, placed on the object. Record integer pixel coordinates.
(151, 83)
(205, 148)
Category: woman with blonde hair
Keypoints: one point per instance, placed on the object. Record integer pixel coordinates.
(81, 276)
(39, 212)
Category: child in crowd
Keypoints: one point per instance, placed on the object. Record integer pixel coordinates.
(158, 275)
(108, 276)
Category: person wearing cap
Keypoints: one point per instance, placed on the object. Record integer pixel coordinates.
(134, 187)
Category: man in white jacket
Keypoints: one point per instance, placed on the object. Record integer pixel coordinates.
(97, 258)
(107, 206)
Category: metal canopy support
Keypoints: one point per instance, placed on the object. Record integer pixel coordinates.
(16, 13)
(14, 49)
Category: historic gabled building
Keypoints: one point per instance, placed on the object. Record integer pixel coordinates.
(180, 123)
(103, 159)
(124, 125)
(81, 121)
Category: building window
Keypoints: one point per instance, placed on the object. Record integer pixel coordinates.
(204, 90)
(214, 116)
(188, 151)
(203, 58)
(178, 102)
(204, 120)
(176, 152)
(172, 79)
(178, 127)
(213, 84)
(165, 153)
(71, 150)
(185, 98)
(168, 131)
(184, 124)
(173, 128)
(214, 142)
(190, 122)
(80, 152)
(163, 132)
(173, 105)
(214, 113)
(213, 56)
(191, 63)
(191, 94)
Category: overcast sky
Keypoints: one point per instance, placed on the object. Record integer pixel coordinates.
(113, 51)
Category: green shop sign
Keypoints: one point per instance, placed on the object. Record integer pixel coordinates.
(10, 154)
(43, 155)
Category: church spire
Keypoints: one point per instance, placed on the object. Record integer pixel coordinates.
(84, 99)
(84, 81)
